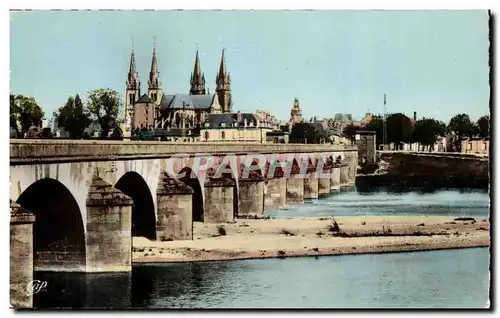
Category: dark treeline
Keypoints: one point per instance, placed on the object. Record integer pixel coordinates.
(400, 129)
(75, 117)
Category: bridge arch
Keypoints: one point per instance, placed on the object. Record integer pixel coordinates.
(192, 180)
(58, 232)
(133, 185)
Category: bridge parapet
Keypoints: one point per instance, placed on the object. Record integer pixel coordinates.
(24, 151)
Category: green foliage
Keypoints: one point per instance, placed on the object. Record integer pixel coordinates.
(483, 126)
(26, 111)
(377, 125)
(461, 125)
(399, 128)
(306, 133)
(349, 131)
(103, 105)
(73, 117)
(427, 130)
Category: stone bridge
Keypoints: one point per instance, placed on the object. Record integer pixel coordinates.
(80, 202)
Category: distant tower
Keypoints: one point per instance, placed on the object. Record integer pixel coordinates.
(132, 91)
(197, 78)
(296, 112)
(223, 89)
(154, 83)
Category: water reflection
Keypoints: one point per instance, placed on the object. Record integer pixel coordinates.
(449, 278)
(80, 290)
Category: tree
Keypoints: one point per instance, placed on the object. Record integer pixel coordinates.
(349, 131)
(103, 105)
(73, 117)
(399, 128)
(483, 126)
(461, 125)
(306, 133)
(377, 125)
(427, 130)
(26, 111)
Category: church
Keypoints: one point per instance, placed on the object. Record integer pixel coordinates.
(156, 109)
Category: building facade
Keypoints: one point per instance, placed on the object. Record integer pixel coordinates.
(475, 146)
(367, 146)
(156, 109)
(234, 127)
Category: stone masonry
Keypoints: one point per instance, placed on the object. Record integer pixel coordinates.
(174, 209)
(218, 200)
(109, 227)
(21, 256)
(251, 196)
(335, 179)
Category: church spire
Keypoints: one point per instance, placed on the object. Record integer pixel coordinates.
(223, 81)
(197, 78)
(133, 76)
(222, 67)
(154, 75)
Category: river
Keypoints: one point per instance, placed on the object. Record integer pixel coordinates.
(466, 202)
(434, 279)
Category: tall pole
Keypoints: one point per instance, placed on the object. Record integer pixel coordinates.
(385, 120)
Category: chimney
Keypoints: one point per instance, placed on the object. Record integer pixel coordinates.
(238, 116)
(415, 116)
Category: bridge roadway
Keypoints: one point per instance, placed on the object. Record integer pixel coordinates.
(434, 154)
(24, 151)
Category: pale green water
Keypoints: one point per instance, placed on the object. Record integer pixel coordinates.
(473, 203)
(435, 279)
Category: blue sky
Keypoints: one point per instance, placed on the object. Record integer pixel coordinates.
(432, 62)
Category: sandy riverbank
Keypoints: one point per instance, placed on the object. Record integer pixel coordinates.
(316, 236)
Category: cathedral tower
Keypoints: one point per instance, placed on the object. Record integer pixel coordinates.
(197, 79)
(223, 89)
(132, 91)
(154, 83)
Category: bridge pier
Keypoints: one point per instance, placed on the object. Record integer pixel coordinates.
(251, 197)
(311, 186)
(109, 229)
(344, 174)
(21, 256)
(351, 158)
(275, 194)
(324, 181)
(218, 200)
(335, 179)
(295, 189)
(174, 209)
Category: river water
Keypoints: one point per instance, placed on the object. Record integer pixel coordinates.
(435, 279)
(467, 202)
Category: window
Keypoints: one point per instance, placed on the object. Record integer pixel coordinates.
(485, 146)
(206, 135)
(132, 99)
(469, 146)
(223, 135)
